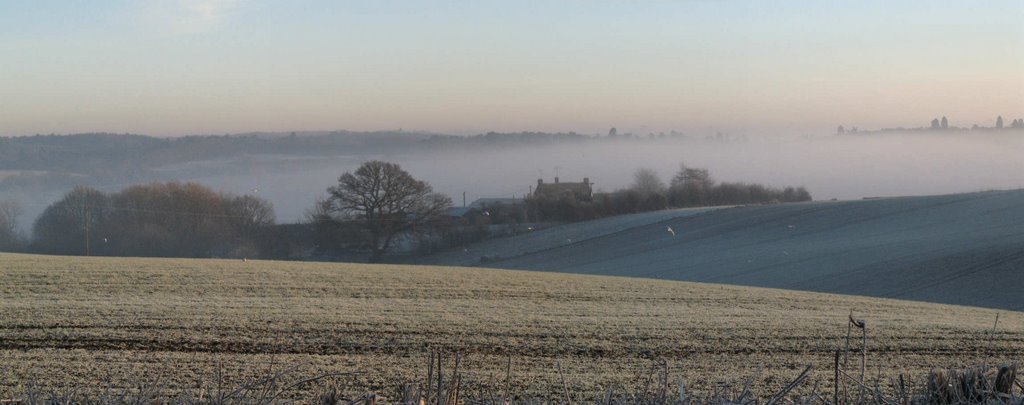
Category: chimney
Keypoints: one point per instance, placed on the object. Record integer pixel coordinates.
(556, 179)
(586, 181)
(539, 182)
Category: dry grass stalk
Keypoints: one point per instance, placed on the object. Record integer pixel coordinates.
(973, 385)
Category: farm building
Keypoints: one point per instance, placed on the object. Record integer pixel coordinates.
(580, 191)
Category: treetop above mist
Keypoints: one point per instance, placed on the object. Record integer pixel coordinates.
(938, 124)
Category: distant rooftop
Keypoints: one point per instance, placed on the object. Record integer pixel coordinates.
(581, 191)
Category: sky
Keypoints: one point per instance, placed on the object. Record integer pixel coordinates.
(178, 67)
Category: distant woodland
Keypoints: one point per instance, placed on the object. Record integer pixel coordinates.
(101, 153)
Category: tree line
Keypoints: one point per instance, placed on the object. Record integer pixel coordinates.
(938, 124)
(370, 212)
(689, 187)
(158, 220)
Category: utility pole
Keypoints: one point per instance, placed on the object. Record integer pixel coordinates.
(87, 252)
(463, 199)
(85, 224)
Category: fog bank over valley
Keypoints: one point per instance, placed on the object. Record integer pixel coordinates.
(840, 167)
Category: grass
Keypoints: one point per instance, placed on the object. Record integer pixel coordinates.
(103, 323)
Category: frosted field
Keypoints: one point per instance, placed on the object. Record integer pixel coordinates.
(965, 249)
(118, 323)
(548, 238)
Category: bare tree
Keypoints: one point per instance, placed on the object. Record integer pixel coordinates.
(691, 187)
(386, 201)
(249, 212)
(647, 182)
(69, 226)
(10, 238)
(692, 176)
(321, 210)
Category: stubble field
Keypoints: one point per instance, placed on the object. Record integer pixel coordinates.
(186, 324)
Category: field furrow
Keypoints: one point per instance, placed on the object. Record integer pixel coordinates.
(184, 323)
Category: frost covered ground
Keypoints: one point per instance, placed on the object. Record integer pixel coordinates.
(965, 249)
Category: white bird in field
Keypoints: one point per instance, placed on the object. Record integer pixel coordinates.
(669, 229)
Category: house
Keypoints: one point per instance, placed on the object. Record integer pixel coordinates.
(579, 191)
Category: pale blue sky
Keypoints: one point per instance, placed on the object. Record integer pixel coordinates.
(217, 66)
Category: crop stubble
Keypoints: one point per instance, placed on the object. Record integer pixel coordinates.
(184, 323)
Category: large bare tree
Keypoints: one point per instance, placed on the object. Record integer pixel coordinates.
(386, 201)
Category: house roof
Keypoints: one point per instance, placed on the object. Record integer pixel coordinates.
(557, 189)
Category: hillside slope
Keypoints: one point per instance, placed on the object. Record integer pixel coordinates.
(535, 241)
(965, 249)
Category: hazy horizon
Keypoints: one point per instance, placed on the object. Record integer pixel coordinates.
(179, 67)
(777, 74)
